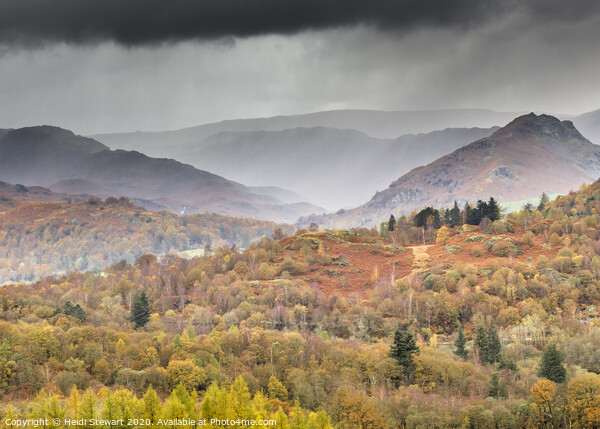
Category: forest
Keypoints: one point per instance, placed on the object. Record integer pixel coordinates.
(41, 239)
(438, 319)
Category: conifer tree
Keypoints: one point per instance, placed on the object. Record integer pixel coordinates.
(392, 223)
(551, 365)
(140, 313)
(460, 343)
(493, 209)
(489, 344)
(481, 341)
(544, 199)
(494, 345)
(151, 405)
(403, 349)
(468, 213)
(497, 389)
(455, 215)
(87, 408)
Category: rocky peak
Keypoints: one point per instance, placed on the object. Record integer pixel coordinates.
(540, 125)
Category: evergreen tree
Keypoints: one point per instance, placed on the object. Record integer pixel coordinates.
(392, 223)
(468, 213)
(551, 365)
(494, 345)
(403, 349)
(455, 215)
(544, 199)
(489, 344)
(140, 313)
(493, 209)
(497, 389)
(481, 341)
(425, 215)
(460, 343)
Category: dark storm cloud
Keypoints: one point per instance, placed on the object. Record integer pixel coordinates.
(144, 22)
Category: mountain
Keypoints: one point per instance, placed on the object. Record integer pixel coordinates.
(589, 125)
(531, 155)
(375, 123)
(331, 167)
(66, 163)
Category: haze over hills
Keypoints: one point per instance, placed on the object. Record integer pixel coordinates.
(530, 155)
(66, 163)
(331, 151)
(333, 168)
(589, 125)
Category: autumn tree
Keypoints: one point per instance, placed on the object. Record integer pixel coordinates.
(442, 235)
(543, 407)
(583, 399)
(277, 390)
(185, 372)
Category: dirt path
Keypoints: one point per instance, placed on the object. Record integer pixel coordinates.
(421, 259)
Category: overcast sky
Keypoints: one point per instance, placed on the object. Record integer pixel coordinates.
(112, 65)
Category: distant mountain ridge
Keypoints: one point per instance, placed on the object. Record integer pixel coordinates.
(335, 158)
(375, 123)
(66, 163)
(334, 168)
(530, 155)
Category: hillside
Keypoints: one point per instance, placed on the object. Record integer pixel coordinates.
(313, 324)
(42, 238)
(530, 155)
(66, 163)
(12, 196)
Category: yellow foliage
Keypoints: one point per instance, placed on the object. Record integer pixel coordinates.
(442, 235)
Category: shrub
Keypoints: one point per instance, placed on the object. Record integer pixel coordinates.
(504, 248)
(528, 238)
(293, 267)
(499, 227)
(455, 248)
(434, 282)
(476, 237)
(563, 264)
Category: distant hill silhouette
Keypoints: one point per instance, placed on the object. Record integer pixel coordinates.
(57, 158)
